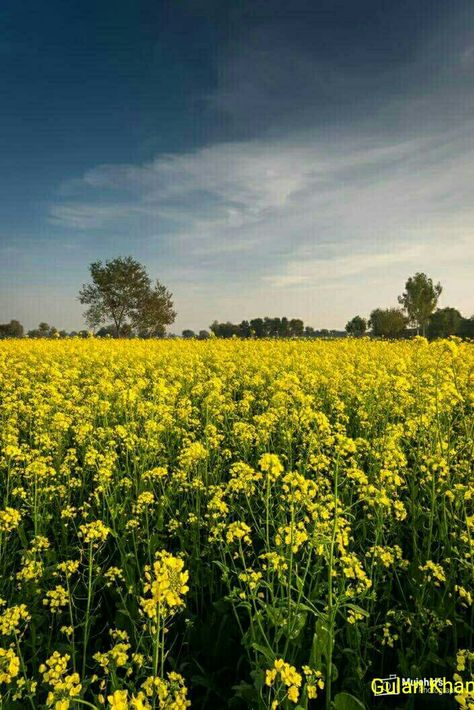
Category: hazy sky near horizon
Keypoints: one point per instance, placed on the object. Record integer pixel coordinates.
(260, 157)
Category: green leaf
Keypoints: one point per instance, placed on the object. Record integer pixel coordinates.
(266, 653)
(346, 701)
(320, 646)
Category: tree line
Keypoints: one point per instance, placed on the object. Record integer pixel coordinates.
(270, 328)
(418, 315)
(122, 302)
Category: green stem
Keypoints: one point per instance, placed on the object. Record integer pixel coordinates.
(87, 621)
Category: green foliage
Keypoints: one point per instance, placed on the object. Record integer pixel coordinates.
(269, 328)
(345, 701)
(466, 329)
(122, 291)
(388, 322)
(13, 329)
(444, 322)
(44, 330)
(419, 299)
(357, 326)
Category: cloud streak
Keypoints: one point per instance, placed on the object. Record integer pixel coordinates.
(274, 199)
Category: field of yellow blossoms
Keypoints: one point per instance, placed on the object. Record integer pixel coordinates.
(233, 524)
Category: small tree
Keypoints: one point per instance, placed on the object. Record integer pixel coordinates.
(419, 300)
(296, 327)
(357, 326)
(466, 329)
(44, 330)
(122, 291)
(187, 334)
(388, 322)
(13, 329)
(444, 322)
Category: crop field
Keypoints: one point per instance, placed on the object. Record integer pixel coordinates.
(234, 524)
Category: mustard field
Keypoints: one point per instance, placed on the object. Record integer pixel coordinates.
(233, 524)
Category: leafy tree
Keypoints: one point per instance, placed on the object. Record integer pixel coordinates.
(13, 329)
(122, 291)
(244, 329)
(388, 322)
(466, 328)
(283, 327)
(224, 330)
(296, 328)
(44, 330)
(357, 326)
(444, 322)
(187, 334)
(419, 300)
(203, 335)
(257, 327)
(260, 328)
(107, 331)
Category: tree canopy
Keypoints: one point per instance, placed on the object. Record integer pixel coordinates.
(122, 292)
(444, 322)
(387, 322)
(356, 326)
(420, 299)
(13, 329)
(260, 328)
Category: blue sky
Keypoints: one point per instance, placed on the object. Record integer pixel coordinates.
(261, 158)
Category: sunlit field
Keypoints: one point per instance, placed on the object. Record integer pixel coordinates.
(233, 524)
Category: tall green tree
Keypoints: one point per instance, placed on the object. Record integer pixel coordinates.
(466, 329)
(13, 329)
(122, 292)
(444, 322)
(356, 326)
(420, 299)
(296, 327)
(388, 322)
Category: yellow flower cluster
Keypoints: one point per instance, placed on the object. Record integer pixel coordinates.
(64, 687)
(291, 682)
(94, 533)
(165, 587)
(56, 599)
(238, 531)
(171, 692)
(9, 665)
(159, 693)
(433, 572)
(9, 519)
(11, 619)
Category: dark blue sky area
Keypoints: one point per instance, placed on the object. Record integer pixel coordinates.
(91, 82)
